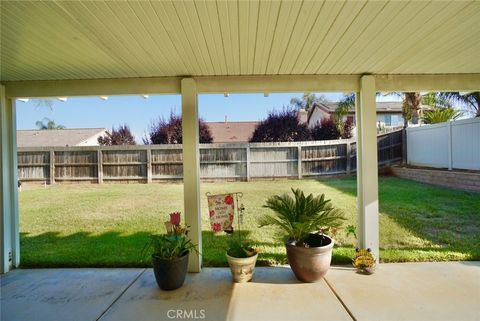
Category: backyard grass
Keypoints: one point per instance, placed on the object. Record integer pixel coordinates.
(108, 225)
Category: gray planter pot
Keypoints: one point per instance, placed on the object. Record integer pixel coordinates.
(312, 263)
(170, 273)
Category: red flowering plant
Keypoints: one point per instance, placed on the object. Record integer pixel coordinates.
(174, 243)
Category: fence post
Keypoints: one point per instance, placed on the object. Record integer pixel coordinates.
(404, 147)
(348, 152)
(52, 167)
(149, 164)
(449, 146)
(100, 166)
(299, 161)
(247, 150)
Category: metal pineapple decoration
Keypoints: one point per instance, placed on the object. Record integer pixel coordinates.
(363, 260)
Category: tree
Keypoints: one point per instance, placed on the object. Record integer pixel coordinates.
(326, 130)
(470, 101)
(345, 105)
(440, 115)
(170, 131)
(47, 123)
(436, 100)
(120, 136)
(283, 126)
(346, 132)
(410, 106)
(307, 101)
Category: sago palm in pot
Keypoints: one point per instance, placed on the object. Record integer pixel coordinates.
(301, 222)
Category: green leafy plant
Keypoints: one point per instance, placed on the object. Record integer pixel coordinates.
(440, 115)
(175, 243)
(299, 216)
(240, 247)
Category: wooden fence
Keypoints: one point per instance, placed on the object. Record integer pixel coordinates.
(98, 164)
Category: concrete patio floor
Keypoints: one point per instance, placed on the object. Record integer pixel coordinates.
(411, 291)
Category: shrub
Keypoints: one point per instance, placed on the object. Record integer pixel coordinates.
(440, 115)
(120, 136)
(347, 129)
(283, 126)
(170, 131)
(326, 130)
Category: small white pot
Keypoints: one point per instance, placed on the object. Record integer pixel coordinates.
(242, 268)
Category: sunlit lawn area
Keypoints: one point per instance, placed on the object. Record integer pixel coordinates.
(108, 225)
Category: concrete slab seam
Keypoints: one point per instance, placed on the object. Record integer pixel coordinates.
(340, 300)
(121, 294)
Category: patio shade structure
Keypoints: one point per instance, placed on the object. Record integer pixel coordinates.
(102, 48)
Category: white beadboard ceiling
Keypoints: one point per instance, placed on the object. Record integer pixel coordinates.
(117, 39)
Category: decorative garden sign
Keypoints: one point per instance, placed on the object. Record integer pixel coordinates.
(221, 210)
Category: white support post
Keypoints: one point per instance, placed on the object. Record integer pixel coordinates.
(149, 164)
(348, 151)
(247, 158)
(100, 166)
(449, 145)
(299, 161)
(191, 169)
(52, 167)
(9, 233)
(367, 167)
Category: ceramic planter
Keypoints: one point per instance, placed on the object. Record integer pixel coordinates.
(170, 273)
(242, 268)
(312, 263)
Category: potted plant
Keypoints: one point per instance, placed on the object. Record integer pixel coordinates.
(241, 257)
(170, 254)
(302, 222)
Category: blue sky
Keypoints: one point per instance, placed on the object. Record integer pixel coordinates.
(138, 112)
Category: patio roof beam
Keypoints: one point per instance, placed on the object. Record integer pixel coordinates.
(239, 84)
(434, 82)
(93, 87)
(278, 83)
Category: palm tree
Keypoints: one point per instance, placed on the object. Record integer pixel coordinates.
(47, 123)
(412, 102)
(470, 100)
(307, 101)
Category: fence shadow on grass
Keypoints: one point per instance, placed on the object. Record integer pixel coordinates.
(446, 218)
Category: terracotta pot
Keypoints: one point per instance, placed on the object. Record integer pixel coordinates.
(170, 273)
(242, 268)
(312, 263)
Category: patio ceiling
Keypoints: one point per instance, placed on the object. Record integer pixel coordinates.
(101, 39)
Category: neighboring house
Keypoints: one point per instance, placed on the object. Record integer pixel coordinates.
(59, 137)
(389, 113)
(232, 132)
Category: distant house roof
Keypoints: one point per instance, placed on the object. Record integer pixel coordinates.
(57, 137)
(394, 107)
(232, 131)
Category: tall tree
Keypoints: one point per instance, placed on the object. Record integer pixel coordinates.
(470, 101)
(47, 123)
(170, 131)
(307, 101)
(412, 102)
(120, 136)
(283, 126)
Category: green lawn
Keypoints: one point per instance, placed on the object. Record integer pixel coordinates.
(108, 225)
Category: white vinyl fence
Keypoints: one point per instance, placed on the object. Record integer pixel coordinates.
(454, 144)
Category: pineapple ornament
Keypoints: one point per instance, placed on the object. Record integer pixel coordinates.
(364, 261)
